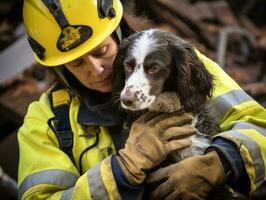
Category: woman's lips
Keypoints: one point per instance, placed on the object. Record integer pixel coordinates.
(105, 80)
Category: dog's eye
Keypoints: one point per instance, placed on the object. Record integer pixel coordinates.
(153, 69)
(128, 67)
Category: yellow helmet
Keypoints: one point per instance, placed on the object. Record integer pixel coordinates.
(60, 31)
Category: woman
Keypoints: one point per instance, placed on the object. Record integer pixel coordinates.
(75, 145)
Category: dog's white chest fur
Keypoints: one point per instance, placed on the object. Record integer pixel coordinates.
(170, 102)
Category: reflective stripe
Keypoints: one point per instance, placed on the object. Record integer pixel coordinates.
(54, 177)
(221, 104)
(255, 153)
(108, 177)
(67, 194)
(97, 188)
(245, 125)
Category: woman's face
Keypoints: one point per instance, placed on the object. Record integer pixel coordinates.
(94, 69)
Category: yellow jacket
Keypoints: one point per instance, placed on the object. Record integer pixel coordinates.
(242, 121)
(45, 172)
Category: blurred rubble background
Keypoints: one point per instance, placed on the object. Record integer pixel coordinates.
(233, 33)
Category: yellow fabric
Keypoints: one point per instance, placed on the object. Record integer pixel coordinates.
(249, 166)
(39, 151)
(246, 158)
(48, 195)
(222, 82)
(259, 139)
(248, 111)
(43, 28)
(109, 180)
(60, 97)
(81, 189)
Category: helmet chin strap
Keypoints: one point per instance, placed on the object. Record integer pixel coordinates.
(60, 74)
(119, 34)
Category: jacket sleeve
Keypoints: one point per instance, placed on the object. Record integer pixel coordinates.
(46, 172)
(242, 123)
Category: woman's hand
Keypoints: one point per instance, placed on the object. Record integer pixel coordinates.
(191, 179)
(150, 140)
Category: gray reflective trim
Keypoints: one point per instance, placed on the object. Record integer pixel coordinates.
(246, 125)
(221, 104)
(67, 194)
(53, 177)
(97, 189)
(255, 153)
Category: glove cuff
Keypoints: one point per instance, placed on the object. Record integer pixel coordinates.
(132, 164)
(134, 176)
(220, 177)
(230, 166)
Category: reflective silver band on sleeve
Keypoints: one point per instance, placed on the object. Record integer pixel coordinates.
(246, 125)
(96, 185)
(60, 178)
(255, 154)
(221, 104)
(67, 194)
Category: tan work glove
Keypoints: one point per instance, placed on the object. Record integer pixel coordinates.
(191, 178)
(151, 140)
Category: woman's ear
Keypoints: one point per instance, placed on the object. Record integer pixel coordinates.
(195, 83)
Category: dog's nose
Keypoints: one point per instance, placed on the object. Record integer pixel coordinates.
(128, 98)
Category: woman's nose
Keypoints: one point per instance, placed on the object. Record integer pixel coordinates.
(95, 66)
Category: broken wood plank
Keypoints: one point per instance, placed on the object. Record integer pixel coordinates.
(191, 17)
(224, 14)
(181, 27)
(255, 89)
(15, 100)
(15, 59)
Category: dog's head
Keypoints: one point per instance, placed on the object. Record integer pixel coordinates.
(151, 62)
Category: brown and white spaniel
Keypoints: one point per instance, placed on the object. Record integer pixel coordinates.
(157, 71)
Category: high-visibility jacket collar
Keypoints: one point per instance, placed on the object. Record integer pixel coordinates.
(103, 114)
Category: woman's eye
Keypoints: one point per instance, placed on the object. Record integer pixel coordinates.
(76, 63)
(153, 69)
(99, 52)
(128, 67)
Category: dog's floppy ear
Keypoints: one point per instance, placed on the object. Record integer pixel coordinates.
(118, 74)
(195, 83)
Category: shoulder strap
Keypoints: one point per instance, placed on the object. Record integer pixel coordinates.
(60, 103)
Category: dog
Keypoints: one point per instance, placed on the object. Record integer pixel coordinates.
(157, 71)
